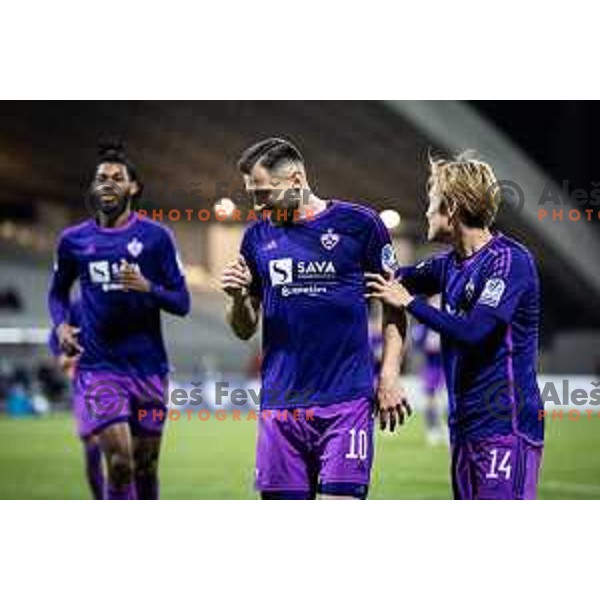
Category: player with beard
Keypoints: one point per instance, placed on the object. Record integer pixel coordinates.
(303, 269)
(128, 273)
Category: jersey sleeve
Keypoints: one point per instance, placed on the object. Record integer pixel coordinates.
(379, 255)
(507, 280)
(424, 278)
(171, 291)
(53, 343)
(64, 275)
(172, 267)
(247, 250)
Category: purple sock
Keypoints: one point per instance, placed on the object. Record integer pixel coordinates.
(120, 493)
(93, 470)
(147, 486)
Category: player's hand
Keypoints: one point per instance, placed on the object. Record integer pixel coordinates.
(67, 339)
(132, 279)
(391, 404)
(236, 278)
(67, 365)
(388, 290)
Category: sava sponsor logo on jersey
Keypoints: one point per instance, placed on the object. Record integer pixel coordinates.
(106, 274)
(283, 271)
(99, 271)
(492, 292)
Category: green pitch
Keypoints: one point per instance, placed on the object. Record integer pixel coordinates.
(41, 458)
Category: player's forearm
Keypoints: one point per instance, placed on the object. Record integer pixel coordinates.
(470, 331)
(394, 333)
(58, 301)
(176, 302)
(242, 317)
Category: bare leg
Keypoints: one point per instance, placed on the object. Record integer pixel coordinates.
(146, 452)
(94, 469)
(116, 445)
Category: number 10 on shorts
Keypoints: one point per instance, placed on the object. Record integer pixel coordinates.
(358, 444)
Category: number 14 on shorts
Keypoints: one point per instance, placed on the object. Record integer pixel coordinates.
(500, 466)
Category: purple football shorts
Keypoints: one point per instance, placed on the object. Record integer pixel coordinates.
(103, 398)
(498, 468)
(322, 449)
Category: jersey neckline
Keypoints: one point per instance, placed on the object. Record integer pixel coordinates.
(133, 217)
(469, 259)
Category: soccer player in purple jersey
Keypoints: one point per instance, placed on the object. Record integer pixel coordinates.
(91, 444)
(303, 269)
(488, 324)
(128, 272)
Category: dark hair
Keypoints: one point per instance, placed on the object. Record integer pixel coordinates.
(113, 151)
(269, 153)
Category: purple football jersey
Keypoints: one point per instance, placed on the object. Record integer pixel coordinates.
(310, 278)
(492, 386)
(120, 330)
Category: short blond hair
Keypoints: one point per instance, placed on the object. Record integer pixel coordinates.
(468, 183)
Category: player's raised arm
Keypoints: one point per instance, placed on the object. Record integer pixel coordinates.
(424, 278)
(169, 290)
(243, 307)
(507, 280)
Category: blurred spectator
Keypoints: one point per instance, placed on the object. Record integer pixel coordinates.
(19, 403)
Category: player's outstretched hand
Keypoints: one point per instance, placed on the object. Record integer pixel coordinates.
(132, 279)
(236, 278)
(387, 289)
(67, 339)
(391, 404)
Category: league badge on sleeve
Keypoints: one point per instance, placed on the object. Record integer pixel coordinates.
(492, 293)
(388, 258)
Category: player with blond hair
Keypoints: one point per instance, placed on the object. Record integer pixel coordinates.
(488, 323)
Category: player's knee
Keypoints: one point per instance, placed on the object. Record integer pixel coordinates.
(146, 464)
(120, 468)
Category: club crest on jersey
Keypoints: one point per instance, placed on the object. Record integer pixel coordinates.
(492, 293)
(330, 240)
(135, 247)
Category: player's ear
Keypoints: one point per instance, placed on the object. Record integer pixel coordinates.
(134, 188)
(296, 179)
